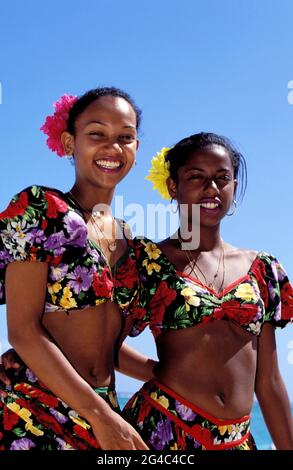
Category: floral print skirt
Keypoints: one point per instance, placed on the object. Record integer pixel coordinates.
(167, 421)
(33, 418)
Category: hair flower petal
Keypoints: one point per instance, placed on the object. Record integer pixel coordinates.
(159, 172)
(56, 124)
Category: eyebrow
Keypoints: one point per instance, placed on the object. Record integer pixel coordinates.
(202, 170)
(103, 124)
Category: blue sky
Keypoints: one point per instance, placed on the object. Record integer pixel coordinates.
(191, 65)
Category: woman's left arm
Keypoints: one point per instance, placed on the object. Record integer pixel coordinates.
(135, 364)
(271, 391)
(131, 362)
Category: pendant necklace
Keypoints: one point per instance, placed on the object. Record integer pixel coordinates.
(196, 270)
(111, 244)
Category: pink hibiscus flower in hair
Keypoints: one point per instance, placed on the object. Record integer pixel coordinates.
(57, 123)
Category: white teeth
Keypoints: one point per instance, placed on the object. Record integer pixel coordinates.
(210, 205)
(107, 163)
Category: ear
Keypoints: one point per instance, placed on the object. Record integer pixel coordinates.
(67, 141)
(172, 188)
(137, 144)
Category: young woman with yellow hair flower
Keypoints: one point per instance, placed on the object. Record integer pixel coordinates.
(212, 309)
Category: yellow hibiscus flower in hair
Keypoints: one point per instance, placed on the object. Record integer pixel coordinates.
(159, 173)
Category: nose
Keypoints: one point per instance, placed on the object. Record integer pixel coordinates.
(211, 186)
(115, 145)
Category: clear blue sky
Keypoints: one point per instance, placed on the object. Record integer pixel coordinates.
(221, 66)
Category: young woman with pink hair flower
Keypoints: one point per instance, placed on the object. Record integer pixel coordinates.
(64, 306)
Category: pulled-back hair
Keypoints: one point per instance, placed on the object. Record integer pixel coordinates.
(92, 95)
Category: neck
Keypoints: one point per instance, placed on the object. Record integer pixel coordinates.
(90, 197)
(209, 239)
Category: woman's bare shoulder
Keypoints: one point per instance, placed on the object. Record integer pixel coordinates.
(234, 252)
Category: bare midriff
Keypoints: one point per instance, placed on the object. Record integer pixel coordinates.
(213, 366)
(87, 338)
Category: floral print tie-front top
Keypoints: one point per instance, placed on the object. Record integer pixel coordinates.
(43, 224)
(172, 300)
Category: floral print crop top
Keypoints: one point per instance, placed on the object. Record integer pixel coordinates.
(171, 300)
(43, 224)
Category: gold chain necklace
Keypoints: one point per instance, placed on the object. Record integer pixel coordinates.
(193, 264)
(112, 244)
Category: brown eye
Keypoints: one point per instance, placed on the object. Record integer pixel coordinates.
(195, 177)
(225, 177)
(96, 133)
(127, 138)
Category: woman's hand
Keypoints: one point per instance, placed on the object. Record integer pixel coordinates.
(111, 431)
(114, 433)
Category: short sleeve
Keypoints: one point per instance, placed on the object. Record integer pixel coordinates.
(140, 309)
(30, 229)
(126, 281)
(277, 291)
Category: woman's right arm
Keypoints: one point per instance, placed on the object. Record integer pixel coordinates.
(26, 284)
(271, 391)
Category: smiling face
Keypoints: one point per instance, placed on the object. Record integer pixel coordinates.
(207, 178)
(105, 142)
